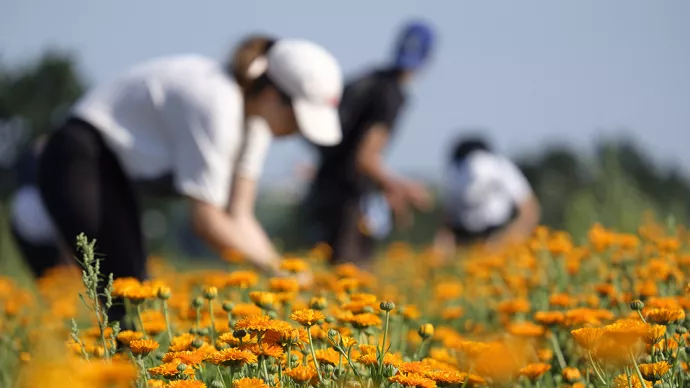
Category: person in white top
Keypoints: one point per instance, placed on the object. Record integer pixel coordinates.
(196, 128)
(487, 199)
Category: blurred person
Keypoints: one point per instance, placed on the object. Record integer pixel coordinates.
(488, 201)
(34, 233)
(188, 126)
(350, 201)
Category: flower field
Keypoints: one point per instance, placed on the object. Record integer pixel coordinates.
(605, 312)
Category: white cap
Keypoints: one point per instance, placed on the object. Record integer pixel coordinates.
(312, 78)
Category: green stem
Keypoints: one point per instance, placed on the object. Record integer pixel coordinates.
(641, 317)
(403, 337)
(557, 350)
(313, 354)
(143, 370)
(220, 374)
(596, 369)
(213, 323)
(383, 345)
(167, 321)
(289, 356)
(637, 368)
(140, 321)
(627, 375)
(262, 361)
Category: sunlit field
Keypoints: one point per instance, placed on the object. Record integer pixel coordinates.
(609, 312)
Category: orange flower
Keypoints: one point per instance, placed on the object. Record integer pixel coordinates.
(534, 371)
(526, 329)
(514, 306)
(365, 320)
(412, 380)
(301, 374)
(245, 310)
(307, 317)
(549, 318)
(587, 337)
(655, 371)
(262, 299)
(247, 382)
(654, 334)
(232, 357)
(169, 369)
(143, 347)
(571, 375)
(242, 279)
(186, 384)
(127, 336)
(254, 323)
(665, 316)
(283, 285)
(621, 381)
(294, 265)
(189, 357)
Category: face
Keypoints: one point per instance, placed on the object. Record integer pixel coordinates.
(277, 112)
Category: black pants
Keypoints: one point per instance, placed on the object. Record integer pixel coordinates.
(338, 224)
(39, 257)
(86, 191)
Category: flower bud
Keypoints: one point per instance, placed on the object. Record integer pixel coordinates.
(387, 306)
(210, 293)
(294, 358)
(197, 303)
(426, 331)
(636, 305)
(217, 384)
(228, 306)
(330, 320)
(164, 293)
(318, 303)
(181, 367)
(368, 309)
(332, 333)
(681, 330)
(239, 333)
(197, 343)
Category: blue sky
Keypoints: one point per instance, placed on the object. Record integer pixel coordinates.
(531, 72)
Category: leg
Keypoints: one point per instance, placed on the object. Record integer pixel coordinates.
(350, 245)
(85, 191)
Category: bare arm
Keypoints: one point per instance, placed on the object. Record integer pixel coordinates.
(242, 202)
(399, 193)
(521, 228)
(224, 231)
(369, 157)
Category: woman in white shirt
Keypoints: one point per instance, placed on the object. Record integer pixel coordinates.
(487, 199)
(190, 126)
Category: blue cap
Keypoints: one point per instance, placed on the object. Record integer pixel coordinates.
(414, 46)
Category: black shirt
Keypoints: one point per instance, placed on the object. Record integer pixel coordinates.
(376, 98)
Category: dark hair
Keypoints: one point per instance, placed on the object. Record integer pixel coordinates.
(243, 55)
(468, 145)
